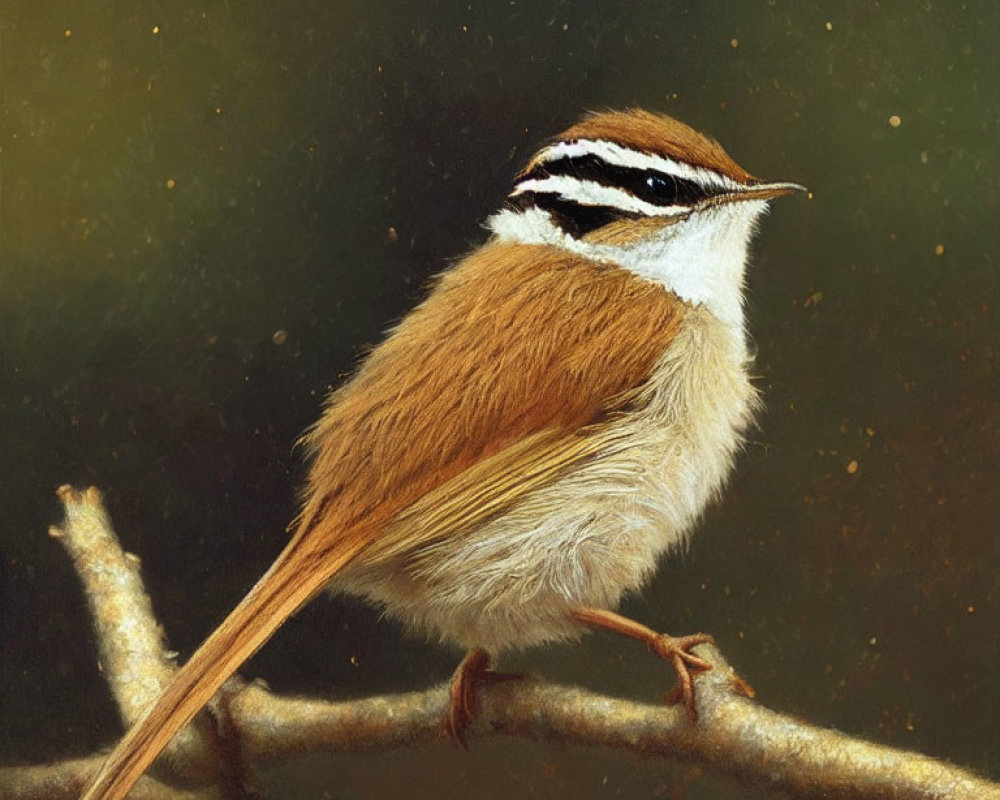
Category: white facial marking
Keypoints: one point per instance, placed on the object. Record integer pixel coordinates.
(591, 193)
(612, 153)
(702, 258)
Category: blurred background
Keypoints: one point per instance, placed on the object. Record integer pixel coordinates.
(208, 210)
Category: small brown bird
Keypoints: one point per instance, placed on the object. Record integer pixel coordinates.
(529, 440)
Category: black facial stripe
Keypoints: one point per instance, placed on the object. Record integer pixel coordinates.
(573, 218)
(650, 185)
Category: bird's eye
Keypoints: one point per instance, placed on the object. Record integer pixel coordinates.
(661, 188)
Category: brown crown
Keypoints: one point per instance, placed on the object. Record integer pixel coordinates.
(657, 134)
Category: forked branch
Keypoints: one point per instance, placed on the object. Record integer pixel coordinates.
(734, 735)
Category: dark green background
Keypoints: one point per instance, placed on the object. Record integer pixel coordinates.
(136, 349)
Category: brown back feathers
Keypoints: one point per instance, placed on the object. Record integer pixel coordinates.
(514, 340)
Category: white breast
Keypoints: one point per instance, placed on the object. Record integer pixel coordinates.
(598, 532)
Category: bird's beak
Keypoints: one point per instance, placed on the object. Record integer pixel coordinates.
(752, 191)
(768, 191)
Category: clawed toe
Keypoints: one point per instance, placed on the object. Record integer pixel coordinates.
(472, 672)
(676, 650)
(671, 648)
(462, 709)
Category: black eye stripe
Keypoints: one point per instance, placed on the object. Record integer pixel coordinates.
(573, 218)
(651, 186)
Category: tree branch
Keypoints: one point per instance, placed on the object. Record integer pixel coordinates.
(734, 734)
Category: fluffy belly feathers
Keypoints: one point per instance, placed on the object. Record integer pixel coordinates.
(591, 535)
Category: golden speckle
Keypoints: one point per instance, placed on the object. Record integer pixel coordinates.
(809, 195)
(171, 183)
(218, 110)
(734, 43)
(355, 661)
(279, 337)
(971, 610)
(852, 467)
(156, 29)
(68, 32)
(829, 26)
(873, 641)
(391, 235)
(870, 431)
(939, 250)
(895, 121)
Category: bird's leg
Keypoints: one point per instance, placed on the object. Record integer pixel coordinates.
(474, 669)
(675, 649)
(463, 694)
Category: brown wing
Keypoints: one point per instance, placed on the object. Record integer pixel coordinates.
(487, 488)
(517, 347)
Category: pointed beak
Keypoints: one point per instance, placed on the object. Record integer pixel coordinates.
(768, 191)
(752, 191)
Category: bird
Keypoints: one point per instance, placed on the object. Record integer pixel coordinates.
(525, 445)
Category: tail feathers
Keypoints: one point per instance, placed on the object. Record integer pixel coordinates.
(297, 574)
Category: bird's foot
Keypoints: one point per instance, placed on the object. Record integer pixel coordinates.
(474, 670)
(677, 651)
(674, 649)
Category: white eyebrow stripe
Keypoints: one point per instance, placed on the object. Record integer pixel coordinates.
(624, 157)
(591, 193)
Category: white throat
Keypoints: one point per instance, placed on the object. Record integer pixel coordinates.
(702, 258)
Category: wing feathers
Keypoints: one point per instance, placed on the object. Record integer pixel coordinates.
(485, 489)
(515, 342)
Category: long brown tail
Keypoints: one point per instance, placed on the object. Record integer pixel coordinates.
(296, 575)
